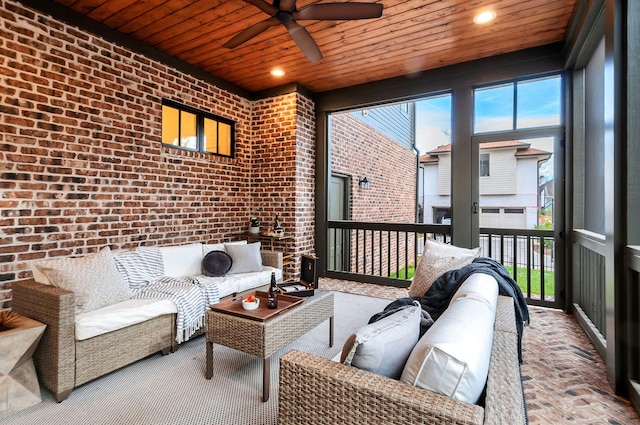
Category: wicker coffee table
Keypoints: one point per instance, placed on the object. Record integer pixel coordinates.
(263, 332)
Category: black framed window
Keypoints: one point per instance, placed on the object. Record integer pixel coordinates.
(194, 130)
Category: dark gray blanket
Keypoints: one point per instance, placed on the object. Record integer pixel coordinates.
(437, 298)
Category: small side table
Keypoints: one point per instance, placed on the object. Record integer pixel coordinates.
(19, 386)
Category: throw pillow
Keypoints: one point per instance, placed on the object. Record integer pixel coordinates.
(182, 260)
(94, 279)
(437, 259)
(246, 257)
(206, 248)
(383, 347)
(216, 263)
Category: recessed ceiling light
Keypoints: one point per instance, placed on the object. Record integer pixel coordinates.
(485, 17)
(277, 72)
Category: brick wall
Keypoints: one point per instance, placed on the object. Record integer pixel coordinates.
(358, 150)
(81, 160)
(283, 164)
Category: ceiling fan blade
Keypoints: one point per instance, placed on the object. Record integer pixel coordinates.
(249, 33)
(339, 11)
(264, 6)
(304, 41)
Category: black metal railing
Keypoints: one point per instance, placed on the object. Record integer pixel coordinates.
(385, 254)
(381, 253)
(529, 256)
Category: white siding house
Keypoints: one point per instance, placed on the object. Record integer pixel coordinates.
(508, 184)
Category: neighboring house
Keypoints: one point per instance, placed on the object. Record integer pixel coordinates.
(510, 193)
(378, 144)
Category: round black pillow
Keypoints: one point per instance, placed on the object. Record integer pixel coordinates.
(216, 263)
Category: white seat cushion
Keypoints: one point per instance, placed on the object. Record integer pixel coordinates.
(120, 315)
(452, 357)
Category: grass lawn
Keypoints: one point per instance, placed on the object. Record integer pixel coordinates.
(400, 274)
(549, 285)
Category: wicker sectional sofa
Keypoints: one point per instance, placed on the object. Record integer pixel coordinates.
(315, 390)
(64, 362)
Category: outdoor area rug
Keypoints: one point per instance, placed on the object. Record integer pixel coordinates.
(172, 389)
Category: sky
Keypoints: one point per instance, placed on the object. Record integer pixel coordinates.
(538, 104)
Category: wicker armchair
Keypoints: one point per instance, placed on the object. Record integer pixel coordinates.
(315, 390)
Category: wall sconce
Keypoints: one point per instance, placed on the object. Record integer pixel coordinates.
(364, 183)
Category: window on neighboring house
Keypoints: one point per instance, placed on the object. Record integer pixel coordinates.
(484, 165)
(194, 130)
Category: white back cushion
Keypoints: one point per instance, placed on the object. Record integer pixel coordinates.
(182, 260)
(480, 286)
(452, 357)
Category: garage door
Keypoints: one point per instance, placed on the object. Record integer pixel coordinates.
(503, 218)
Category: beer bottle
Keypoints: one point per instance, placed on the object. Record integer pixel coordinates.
(272, 296)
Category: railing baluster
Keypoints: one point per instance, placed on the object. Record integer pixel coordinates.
(529, 242)
(397, 253)
(335, 248)
(406, 255)
(380, 253)
(357, 256)
(515, 257)
(389, 251)
(542, 247)
(364, 251)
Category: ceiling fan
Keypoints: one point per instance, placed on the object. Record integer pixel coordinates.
(285, 12)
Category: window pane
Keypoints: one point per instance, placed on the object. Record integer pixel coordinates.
(224, 139)
(539, 103)
(170, 125)
(433, 138)
(518, 192)
(484, 165)
(188, 135)
(210, 136)
(493, 109)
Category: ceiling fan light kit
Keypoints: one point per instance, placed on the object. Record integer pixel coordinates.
(285, 12)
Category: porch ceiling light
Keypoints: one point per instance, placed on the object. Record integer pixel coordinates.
(484, 17)
(364, 183)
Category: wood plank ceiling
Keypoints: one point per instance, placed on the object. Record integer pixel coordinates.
(411, 36)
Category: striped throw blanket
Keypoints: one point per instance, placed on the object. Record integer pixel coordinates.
(143, 270)
(191, 296)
